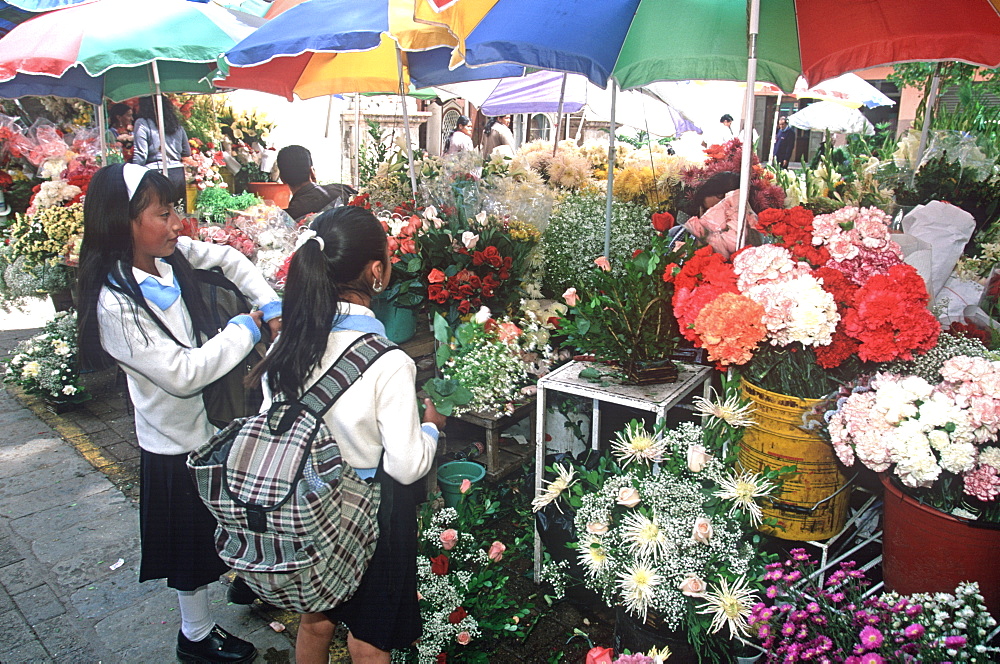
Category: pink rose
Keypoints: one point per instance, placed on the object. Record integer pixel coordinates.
(571, 297)
(449, 538)
(508, 332)
(469, 239)
(602, 262)
(496, 551)
(465, 486)
(692, 586)
(628, 496)
(463, 638)
(597, 528)
(697, 458)
(702, 531)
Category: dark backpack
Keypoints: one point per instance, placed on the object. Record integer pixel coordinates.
(295, 520)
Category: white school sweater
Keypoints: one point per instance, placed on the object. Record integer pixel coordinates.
(379, 411)
(165, 379)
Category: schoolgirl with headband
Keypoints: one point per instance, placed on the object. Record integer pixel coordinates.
(341, 263)
(140, 307)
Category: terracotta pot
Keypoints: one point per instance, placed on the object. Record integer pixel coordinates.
(926, 550)
(276, 192)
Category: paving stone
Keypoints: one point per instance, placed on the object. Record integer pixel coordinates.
(20, 576)
(68, 640)
(6, 602)
(86, 422)
(123, 450)
(67, 492)
(40, 453)
(16, 633)
(30, 653)
(92, 565)
(42, 478)
(110, 595)
(9, 553)
(38, 604)
(143, 631)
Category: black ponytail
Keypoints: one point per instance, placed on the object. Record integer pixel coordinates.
(318, 278)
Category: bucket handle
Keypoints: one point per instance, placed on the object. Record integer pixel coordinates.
(798, 509)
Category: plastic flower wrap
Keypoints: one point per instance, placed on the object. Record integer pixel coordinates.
(49, 143)
(228, 236)
(273, 234)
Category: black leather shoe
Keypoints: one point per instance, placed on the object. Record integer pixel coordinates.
(240, 593)
(219, 647)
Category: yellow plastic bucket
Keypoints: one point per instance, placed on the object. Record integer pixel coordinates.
(812, 503)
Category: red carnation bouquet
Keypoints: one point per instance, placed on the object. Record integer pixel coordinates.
(809, 311)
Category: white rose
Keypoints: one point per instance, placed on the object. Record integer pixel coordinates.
(697, 458)
(702, 530)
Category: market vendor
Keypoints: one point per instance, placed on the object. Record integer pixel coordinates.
(295, 168)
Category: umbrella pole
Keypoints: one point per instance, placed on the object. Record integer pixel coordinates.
(102, 126)
(774, 125)
(406, 123)
(357, 140)
(611, 172)
(754, 26)
(559, 120)
(159, 119)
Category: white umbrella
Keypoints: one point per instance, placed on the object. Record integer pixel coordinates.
(847, 89)
(831, 116)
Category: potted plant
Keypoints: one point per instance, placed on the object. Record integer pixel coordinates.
(935, 444)
(622, 316)
(45, 365)
(807, 615)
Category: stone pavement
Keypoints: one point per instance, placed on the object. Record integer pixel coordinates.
(65, 525)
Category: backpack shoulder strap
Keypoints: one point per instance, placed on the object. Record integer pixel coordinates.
(348, 368)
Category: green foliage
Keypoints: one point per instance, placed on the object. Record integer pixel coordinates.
(625, 316)
(20, 279)
(575, 237)
(216, 204)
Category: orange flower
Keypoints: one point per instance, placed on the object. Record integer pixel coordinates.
(730, 327)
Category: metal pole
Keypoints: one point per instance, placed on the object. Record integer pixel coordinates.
(753, 26)
(159, 119)
(774, 125)
(406, 123)
(102, 126)
(611, 172)
(357, 140)
(559, 119)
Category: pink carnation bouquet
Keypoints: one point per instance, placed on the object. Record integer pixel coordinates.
(939, 440)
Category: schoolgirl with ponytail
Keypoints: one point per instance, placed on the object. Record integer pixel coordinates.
(140, 308)
(332, 277)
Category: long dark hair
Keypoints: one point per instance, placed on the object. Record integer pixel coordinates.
(318, 278)
(106, 258)
(147, 109)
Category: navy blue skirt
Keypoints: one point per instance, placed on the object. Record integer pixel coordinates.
(177, 530)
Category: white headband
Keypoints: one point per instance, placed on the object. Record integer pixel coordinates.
(309, 234)
(133, 174)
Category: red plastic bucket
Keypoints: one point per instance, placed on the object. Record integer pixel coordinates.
(925, 550)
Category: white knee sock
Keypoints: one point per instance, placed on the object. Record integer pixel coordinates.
(195, 620)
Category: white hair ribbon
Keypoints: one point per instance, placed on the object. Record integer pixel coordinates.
(133, 174)
(305, 236)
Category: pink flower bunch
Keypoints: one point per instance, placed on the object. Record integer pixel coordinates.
(849, 229)
(804, 620)
(767, 264)
(229, 236)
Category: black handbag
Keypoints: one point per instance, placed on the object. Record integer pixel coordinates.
(227, 399)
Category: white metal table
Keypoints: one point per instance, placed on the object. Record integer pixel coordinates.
(657, 398)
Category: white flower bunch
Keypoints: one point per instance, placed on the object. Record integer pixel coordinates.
(46, 363)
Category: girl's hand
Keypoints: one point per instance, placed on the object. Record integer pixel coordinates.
(431, 416)
(275, 326)
(258, 317)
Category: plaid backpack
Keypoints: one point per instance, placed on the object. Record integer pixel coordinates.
(295, 520)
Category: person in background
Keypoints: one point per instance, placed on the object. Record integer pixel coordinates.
(460, 139)
(342, 264)
(146, 148)
(715, 207)
(120, 128)
(295, 168)
(497, 133)
(141, 308)
(784, 142)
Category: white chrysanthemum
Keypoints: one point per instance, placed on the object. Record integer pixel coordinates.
(637, 444)
(564, 480)
(743, 490)
(646, 537)
(638, 585)
(592, 555)
(990, 456)
(731, 411)
(729, 606)
(958, 458)
(796, 310)
(918, 468)
(30, 369)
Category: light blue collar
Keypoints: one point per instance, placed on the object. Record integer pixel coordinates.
(358, 323)
(160, 295)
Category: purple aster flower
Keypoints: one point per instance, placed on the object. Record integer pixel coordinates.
(871, 658)
(914, 609)
(634, 659)
(793, 576)
(837, 598)
(771, 592)
(954, 641)
(852, 660)
(798, 615)
(802, 634)
(799, 554)
(871, 638)
(788, 628)
(820, 619)
(763, 632)
(914, 631)
(812, 607)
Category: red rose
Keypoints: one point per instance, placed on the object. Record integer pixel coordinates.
(439, 565)
(436, 276)
(464, 307)
(407, 246)
(636, 253)
(457, 615)
(437, 293)
(442, 658)
(663, 222)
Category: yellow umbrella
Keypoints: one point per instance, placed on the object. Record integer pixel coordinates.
(460, 17)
